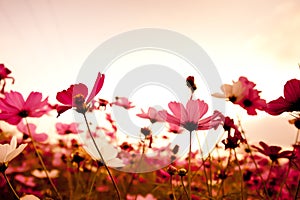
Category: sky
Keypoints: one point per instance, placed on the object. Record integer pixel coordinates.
(45, 43)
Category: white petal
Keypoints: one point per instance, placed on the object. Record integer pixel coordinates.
(116, 162)
(15, 152)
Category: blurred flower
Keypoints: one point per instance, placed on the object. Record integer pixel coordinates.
(123, 102)
(76, 96)
(140, 197)
(126, 147)
(100, 103)
(65, 129)
(28, 181)
(189, 117)
(29, 197)
(174, 128)
(42, 174)
(273, 152)
(39, 137)
(232, 142)
(14, 108)
(152, 115)
(9, 152)
(290, 102)
(295, 121)
(108, 152)
(4, 72)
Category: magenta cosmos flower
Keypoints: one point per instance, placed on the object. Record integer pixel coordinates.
(14, 108)
(189, 117)
(66, 129)
(77, 96)
(290, 102)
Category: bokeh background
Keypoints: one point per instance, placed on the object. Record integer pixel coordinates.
(45, 42)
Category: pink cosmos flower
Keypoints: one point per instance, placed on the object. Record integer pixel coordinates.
(4, 72)
(39, 137)
(28, 181)
(65, 129)
(123, 102)
(189, 117)
(14, 108)
(77, 96)
(152, 115)
(290, 102)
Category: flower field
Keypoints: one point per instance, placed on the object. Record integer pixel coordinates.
(90, 161)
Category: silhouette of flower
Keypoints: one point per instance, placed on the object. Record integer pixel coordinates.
(290, 102)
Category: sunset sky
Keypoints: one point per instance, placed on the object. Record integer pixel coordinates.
(45, 43)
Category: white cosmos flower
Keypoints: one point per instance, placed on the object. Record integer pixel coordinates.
(108, 151)
(234, 92)
(10, 151)
(29, 197)
(42, 174)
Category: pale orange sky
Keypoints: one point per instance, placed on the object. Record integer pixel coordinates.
(45, 43)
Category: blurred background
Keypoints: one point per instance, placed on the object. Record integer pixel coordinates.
(45, 42)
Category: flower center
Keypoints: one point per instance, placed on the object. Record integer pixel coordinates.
(23, 113)
(247, 103)
(79, 103)
(190, 126)
(232, 99)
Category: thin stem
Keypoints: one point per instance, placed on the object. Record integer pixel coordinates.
(41, 161)
(92, 184)
(10, 186)
(241, 174)
(225, 171)
(284, 180)
(297, 136)
(253, 159)
(172, 188)
(297, 191)
(189, 167)
(186, 193)
(203, 163)
(103, 161)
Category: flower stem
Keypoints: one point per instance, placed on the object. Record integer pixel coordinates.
(172, 188)
(92, 184)
(182, 183)
(189, 167)
(241, 174)
(10, 186)
(41, 161)
(103, 161)
(253, 159)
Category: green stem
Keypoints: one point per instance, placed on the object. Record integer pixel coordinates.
(10, 186)
(41, 161)
(102, 159)
(226, 169)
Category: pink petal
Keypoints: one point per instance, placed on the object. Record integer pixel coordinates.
(97, 86)
(292, 91)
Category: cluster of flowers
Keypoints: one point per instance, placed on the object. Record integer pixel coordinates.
(87, 168)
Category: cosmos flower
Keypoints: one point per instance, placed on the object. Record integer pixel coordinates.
(42, 174)
(65, 129)
(10, 151)
(152, 115)
(290, 102)
(29, 197)
(14, 108)
(39, 137)
(4, 74)
(243, 93)
(273, 152)
(190, 117)
(108, 152)
(123, 102)
(77, 96)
